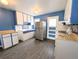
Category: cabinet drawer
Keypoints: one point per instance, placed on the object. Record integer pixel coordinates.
(7, 35)
(14, 34)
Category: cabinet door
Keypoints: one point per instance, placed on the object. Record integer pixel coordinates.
(7, 41)
(15, 38)
(25, 17)
(19, 17)
(29, 18)
(68, 10)
(74, 14)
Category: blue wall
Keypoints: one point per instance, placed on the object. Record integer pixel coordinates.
(74, 14)
(58, 13)
(7, 19)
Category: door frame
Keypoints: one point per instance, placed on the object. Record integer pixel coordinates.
(57, 19)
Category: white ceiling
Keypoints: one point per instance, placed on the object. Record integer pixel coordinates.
(26, 6)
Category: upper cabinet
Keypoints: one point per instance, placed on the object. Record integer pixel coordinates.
(25, 20)
(71, 11)
(25, 17)
(19, 18)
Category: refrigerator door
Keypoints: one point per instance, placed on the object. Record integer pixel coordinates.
(40, 30)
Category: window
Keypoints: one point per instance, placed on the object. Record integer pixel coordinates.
(37, 20)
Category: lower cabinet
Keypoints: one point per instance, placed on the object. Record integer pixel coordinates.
(25, 36)
(15, 39)
(6, 41)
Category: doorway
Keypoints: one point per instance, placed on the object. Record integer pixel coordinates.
(52, 27)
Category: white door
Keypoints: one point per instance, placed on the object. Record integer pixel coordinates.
(51, 27)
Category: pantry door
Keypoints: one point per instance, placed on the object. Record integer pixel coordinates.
(52, 27)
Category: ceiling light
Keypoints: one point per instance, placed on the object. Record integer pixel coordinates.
(5, 2)
(36, 9)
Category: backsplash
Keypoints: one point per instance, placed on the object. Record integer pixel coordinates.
(75, 29)
(61, 27)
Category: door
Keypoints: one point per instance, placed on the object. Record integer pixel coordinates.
(51, 27)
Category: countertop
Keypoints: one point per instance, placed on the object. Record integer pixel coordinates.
(7, 32)
(70, 37)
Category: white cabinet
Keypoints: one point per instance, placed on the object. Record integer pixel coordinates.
(19, 17)
(68, 8)
(25, 17)
(15, 38)
(29, 18)
(7, 42)
(32, 20)
(18, 27)
(28, 35)
(66, 49)
(25, 36)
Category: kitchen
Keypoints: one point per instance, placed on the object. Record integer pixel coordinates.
(31, 29)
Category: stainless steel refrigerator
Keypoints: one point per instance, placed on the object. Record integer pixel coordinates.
(40, 32)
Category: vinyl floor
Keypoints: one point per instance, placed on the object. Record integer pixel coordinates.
(30, 49)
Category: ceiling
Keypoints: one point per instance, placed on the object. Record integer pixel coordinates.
(27, 6)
